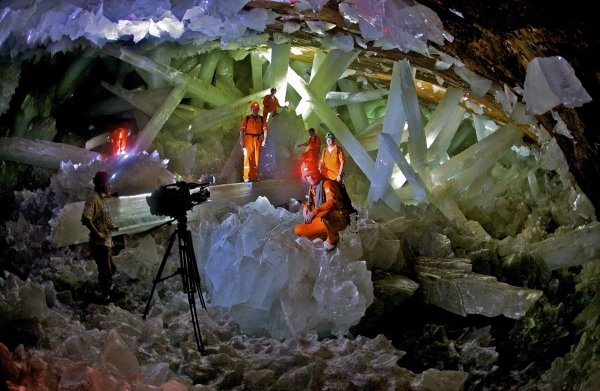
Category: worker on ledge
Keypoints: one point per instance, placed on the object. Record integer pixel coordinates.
(326, 213)
(253, 136)
(270, 104)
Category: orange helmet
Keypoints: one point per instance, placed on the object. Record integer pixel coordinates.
(309, 167)
(254, 105)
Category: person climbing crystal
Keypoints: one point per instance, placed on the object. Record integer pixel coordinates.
(313, 145)
(270, 104)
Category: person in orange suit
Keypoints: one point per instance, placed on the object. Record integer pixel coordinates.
(332, 159)
(325, 213)
(314, 146)
(118, 139)
(270, 104)
(253, 136)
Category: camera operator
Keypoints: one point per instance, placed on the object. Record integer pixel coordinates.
(96, 217)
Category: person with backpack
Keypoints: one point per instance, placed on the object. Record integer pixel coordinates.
(332, 159)
(253, 136)
(326, 213)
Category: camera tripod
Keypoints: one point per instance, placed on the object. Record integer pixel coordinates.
(190, 277)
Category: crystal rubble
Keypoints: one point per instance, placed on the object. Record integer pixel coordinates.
(449, 284)
(42, 153)
(114, 348)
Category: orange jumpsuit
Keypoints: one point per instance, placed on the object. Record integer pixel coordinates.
(314, 148)
(118, 139)
(330, 162)
(330, 215)
(252, 130)
(270, 105)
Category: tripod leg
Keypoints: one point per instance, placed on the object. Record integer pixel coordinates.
(191, 282)
(157, 279)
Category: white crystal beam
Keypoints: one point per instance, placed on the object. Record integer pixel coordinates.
(43, 153)
(280, 59)
(328, 73)
(343, 134)
(150, 131)
(256, 62)
(464, 168)
(357, 113)
(203, 90)
(388, 146)
(417, 146)
(393, 126)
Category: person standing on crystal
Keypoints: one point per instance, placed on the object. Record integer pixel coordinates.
(270, 104)
(96, 217)
(314, 146)
(332, 160)
(253, 136)
(326, 213)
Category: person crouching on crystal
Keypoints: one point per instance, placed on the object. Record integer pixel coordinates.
(325, 214)
(96, 217)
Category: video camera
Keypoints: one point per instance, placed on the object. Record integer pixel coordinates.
(175, 200)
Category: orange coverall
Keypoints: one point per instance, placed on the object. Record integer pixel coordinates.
(330, 162)
(252, 130)
(270, 105)
(314, 148)
(118, 139)
(329, 216)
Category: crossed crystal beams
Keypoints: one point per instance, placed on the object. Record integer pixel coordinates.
(326, 71)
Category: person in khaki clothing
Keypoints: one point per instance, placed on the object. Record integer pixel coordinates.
(96, 217)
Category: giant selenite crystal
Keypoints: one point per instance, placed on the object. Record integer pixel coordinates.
(449, 284)
(271, 281)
